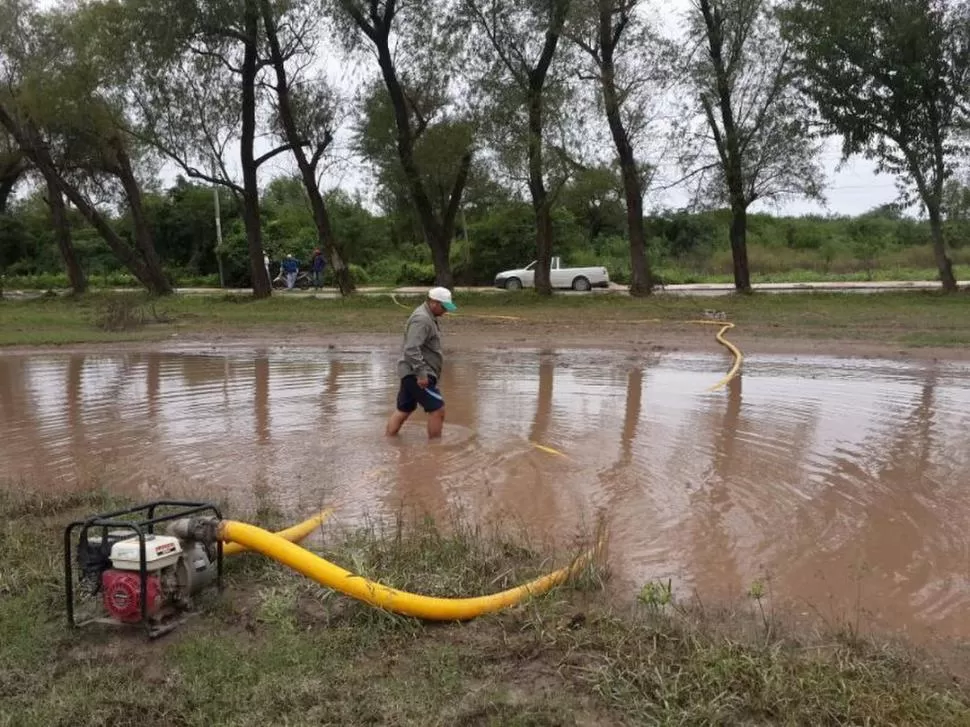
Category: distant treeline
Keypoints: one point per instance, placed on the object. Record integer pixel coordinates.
(682, 246)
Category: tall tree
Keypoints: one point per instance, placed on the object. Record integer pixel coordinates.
(625, 54)
(197, 84)
(62, 232)
(306, 119)
(440, 146)
(758, 143)
(13, 166)
(53, 110)
(38, 150)
(892, 77)
(85, 112)
(420, 96)
(523, 39)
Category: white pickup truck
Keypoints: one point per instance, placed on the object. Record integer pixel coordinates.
(560, 277)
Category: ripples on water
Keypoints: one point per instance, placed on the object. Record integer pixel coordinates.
(843, 482)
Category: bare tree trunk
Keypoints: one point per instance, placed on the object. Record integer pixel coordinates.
(6, 187)
(943, 262)
(10, 174)
(544, 234)
(251, 217)
(729, 144)
(144, 240)
(540, 197)
(321, 216)
(128, 257)
(641, 281)
(62, 231)
(739, 247)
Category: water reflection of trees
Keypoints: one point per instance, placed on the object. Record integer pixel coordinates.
(261, 398)
(16, 409)
(716, 546)
(742, 508)
(542, 420)
(896, 529)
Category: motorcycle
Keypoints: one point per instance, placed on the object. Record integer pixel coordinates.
(303, 281)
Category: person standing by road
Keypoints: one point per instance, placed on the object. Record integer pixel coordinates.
(290, 269)
(317, 265)
(419, 367)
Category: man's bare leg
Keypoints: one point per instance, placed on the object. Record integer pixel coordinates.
(436, 422)
(395, 423)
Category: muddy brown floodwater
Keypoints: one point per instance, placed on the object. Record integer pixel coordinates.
(842, 484)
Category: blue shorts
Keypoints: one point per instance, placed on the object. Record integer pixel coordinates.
(410, 395)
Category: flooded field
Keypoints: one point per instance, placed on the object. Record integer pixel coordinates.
(843, 485)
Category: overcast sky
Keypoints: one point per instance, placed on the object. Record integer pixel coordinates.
(849, 191)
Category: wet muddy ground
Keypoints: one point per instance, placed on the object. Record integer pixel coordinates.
(841, 484)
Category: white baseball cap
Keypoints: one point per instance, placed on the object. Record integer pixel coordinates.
(443, 296)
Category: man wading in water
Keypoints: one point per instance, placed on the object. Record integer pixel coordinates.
(420, 365)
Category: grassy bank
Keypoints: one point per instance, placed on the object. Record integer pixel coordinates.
(907, 319)
(275, 649)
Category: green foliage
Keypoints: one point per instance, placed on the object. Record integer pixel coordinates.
(891, 77)
(501, 235)
(888, 76)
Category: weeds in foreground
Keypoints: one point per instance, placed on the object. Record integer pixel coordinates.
(127, 312)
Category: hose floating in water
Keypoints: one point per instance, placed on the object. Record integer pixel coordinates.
(294, 534)
(738, 357)
(429, 608)
(549, 450)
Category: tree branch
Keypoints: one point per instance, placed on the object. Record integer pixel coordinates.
(189, 169)
(275, 152)
(358, 17)
(454, 199)
(492, 35)
(217, 56)
(620, 27)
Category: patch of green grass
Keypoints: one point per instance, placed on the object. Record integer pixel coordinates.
(885, 317)
(277, 649)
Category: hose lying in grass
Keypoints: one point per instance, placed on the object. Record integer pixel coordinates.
(429, 608)
(294, 534)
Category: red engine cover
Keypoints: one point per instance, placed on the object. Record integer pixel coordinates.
(122, 594)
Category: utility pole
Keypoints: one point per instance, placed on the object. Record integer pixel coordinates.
(215, 191)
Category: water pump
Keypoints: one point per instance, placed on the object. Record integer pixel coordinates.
(138, 576)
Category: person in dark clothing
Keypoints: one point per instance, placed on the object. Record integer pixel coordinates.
(290, 267)
(317, 265)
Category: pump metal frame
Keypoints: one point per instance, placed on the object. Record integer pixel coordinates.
(140, 520)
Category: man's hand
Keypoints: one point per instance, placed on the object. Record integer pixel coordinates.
(423, 382)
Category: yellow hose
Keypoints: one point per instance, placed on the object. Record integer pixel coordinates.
(294, 533)
(407, 604)
(549, 450)
(725, 327)
(738, 357)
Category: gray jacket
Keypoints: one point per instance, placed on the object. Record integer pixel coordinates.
(421, 354)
